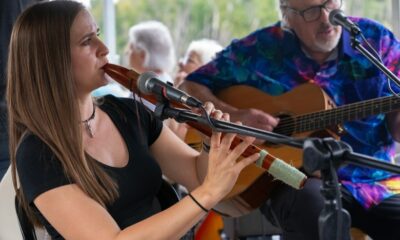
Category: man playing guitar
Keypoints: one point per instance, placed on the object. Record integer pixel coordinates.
(305, 48)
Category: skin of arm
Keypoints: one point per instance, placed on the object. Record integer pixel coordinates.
(77, 216)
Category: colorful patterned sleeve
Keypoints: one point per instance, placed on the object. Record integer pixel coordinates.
(387, 46)
(224, 70)
(238, 63)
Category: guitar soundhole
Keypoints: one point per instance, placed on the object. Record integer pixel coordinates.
(286, 125)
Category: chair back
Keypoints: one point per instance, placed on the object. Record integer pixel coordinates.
(9, 223)
(14, 223)
(27, 228)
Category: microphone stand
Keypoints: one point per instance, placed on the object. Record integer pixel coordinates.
(327, 154)
(319, 154)
(163, 111)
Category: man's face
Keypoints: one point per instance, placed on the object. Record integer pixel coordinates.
(316, 34)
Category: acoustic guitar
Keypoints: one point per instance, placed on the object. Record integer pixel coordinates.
(305, 111)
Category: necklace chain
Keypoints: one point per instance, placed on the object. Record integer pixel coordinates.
(87, 122)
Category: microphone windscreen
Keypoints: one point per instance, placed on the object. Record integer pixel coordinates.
(334, 14)
(142, 81)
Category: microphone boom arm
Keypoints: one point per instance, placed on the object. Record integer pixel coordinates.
(183, 115)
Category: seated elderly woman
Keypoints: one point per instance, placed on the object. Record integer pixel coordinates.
(197, 54)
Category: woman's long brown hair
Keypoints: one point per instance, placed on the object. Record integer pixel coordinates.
(41, 97)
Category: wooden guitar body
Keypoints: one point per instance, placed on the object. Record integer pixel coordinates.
(254, 184)
(305, 111)
(306, 98)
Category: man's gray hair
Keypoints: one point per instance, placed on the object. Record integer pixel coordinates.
(284, 23)
(155, 40)
(283, 2)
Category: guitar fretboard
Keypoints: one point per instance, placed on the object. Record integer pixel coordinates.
(324, 119)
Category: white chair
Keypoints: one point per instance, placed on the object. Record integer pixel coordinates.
(10, 227)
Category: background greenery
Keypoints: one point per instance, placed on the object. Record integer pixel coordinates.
(222, 20)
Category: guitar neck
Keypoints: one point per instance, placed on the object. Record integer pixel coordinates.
(354, 111)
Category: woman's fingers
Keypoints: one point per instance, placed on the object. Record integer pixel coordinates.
(208, 106)
(246, 161)
(215, 140)
(238, 150)
(228, 137)
(218, 115)
(223, 167)
(222, 144)
(241, 147)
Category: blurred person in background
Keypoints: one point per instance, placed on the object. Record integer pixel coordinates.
(197, 54)
(150, 48)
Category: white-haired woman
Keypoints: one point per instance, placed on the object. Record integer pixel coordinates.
(197, 54)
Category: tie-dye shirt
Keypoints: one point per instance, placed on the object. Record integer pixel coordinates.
(271, 60)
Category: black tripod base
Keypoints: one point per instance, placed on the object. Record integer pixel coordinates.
(333, 226)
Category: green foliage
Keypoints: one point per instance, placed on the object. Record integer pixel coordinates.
(222, 20)
(379, 10)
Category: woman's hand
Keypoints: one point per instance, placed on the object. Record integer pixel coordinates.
(223, 167)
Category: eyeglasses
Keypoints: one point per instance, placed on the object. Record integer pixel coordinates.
(314, 13)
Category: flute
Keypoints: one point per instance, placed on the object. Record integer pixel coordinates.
(278, 168)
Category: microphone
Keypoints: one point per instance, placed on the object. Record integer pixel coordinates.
(148, 83)
(338, 18)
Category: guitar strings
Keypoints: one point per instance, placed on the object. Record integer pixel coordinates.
(306, 121)
(323, 119)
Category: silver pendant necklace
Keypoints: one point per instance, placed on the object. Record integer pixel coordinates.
(87, 122)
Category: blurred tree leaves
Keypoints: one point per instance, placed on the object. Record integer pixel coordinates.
(222, 20)
(380, 10)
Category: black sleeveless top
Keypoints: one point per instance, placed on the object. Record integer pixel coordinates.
(138, 182)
